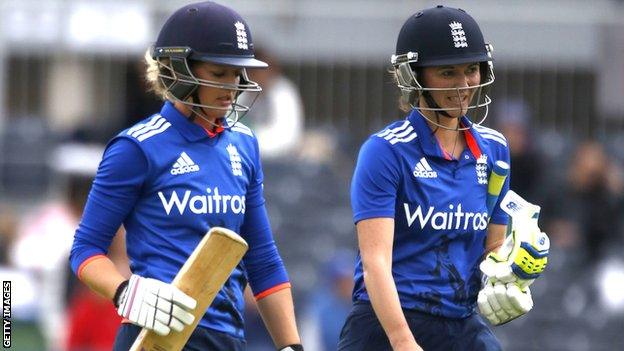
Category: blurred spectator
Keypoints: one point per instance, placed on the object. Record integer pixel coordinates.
(586, 213)
(330, 304)
(277, 117)
(513, 118)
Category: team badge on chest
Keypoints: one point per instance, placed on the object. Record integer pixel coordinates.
(235, 160)
(481, 169)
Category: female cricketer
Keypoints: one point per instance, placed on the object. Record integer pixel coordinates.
(419, 197)
(173, 176)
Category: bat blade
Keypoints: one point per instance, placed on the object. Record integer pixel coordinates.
(201, 277)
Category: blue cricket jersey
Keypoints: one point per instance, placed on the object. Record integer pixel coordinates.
(168, 183)
(439, 210)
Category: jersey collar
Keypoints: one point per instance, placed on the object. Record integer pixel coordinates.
(472, 139)
(189, 130)
(429, 143)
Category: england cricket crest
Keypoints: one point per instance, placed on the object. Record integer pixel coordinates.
(241, 35)
(235, 160)
(481, 169)
(458, 34)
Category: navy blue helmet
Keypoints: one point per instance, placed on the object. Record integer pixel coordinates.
(205, 32)
(441, 36)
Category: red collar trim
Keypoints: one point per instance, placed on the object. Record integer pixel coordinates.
(216, 130)
(472, 144)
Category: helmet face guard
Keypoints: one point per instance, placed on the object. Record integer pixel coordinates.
(442, 36)
(181, 84)
(412, 89)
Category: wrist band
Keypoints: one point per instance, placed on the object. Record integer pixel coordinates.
(293, 347)
(119, 291)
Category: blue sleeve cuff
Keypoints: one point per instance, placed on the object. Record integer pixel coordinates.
(80, 254)
(500, 219)
(373, 214)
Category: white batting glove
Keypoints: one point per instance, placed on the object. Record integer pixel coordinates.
(155, 305)
(500, 303)
(524, 254)
(513, 268)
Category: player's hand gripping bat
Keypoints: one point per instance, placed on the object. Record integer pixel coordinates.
(511, 269)
(524, 254)
(201, 278)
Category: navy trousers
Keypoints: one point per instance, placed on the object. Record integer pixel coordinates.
(202, 339)
(363, 332)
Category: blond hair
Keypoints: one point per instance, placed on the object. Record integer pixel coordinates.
(152, 76)
(404, 104)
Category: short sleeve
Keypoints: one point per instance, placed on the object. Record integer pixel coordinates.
(375, 181)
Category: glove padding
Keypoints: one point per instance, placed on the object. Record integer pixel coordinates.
(502, 302)
(515, 266)
(155, 305)
(524, 254)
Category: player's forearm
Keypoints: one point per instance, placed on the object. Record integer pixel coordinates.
(278, 313)
(385, 300)
(101, 276)
(495, 237)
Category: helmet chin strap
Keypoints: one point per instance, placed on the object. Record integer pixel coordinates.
(431, 103)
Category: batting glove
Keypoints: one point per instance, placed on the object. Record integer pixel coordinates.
(515, 266)
(524, 254)
(500, 303)
(154, 305)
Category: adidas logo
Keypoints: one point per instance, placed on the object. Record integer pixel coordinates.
(423, 170)
(183, 165)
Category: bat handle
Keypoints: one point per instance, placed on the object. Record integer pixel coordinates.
(500, 170)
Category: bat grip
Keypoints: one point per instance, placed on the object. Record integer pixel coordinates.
(499, 173)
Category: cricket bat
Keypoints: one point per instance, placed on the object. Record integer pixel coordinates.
(201, 277)
(500, 170)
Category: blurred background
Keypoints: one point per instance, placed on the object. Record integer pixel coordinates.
(71, 77)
